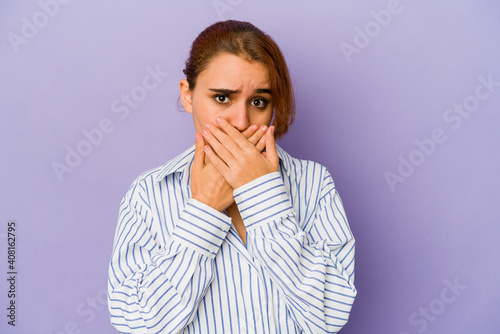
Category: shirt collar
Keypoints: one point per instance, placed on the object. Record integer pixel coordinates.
(182, 164)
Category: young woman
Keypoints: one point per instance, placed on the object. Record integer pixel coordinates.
(234, 235)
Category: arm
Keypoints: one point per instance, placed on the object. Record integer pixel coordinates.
(313, 271)
(311, 264)
(155, 287)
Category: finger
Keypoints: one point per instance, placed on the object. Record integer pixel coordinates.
(271, 153)
(257, 137)
(232, 132)
(223, 150)
(199, 154)
(262, 141)
(248, 132)
(224, 139)
(217, 162)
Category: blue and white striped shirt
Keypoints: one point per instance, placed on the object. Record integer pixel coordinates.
(179, 266)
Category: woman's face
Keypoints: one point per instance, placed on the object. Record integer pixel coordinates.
(230, 87)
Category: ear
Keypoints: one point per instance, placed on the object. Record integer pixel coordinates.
(186, 96)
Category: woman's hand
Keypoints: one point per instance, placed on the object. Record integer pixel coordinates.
(255, 137)
(235, 157)
(207, 184)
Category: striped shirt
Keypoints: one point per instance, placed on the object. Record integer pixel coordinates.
(179, 266)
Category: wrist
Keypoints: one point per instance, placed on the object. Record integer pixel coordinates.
(263, 200)
(251, 179)
(213, 203)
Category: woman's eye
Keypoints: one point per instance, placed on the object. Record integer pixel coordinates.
(259, 103)
(222, 98)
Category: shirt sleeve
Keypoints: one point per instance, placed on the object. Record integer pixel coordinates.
(313, 271)
(155, 287)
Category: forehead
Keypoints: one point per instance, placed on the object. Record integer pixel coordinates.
(233, 72)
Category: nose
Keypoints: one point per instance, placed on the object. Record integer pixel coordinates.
(239, 117)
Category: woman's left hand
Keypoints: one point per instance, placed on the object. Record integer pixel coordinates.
(238, 160)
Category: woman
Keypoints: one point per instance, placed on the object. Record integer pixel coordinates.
(233, 235)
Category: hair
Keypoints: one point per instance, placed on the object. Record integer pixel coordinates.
(243, 39)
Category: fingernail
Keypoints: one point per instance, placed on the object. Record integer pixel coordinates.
(197, 136)
(205, 132)
(218, 119)
(208, 125)
(206, 148)
(255, 127)
(264, 128)
(272, 130)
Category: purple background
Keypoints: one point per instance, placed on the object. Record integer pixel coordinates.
(356, 115)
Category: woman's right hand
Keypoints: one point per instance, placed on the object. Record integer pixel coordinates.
(207, 184)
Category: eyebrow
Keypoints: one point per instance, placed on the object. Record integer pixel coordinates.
(229, 91)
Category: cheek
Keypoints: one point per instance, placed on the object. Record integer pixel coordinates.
(261, 117)
(260, 120)
(203, 114)
(265, 118)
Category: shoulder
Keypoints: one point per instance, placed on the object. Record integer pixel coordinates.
(305, 173)
(310, 187)
(151, 178)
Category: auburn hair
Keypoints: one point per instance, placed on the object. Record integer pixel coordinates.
(244, 40)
